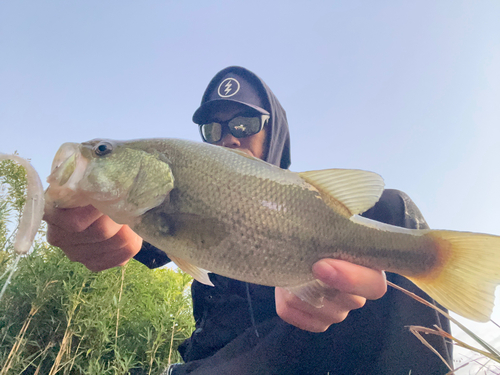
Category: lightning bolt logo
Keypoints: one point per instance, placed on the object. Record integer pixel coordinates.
(228, 87)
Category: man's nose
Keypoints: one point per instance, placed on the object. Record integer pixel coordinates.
(230, 141)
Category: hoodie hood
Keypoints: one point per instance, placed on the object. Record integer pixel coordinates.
(240, 85)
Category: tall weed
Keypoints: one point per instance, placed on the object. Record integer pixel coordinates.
(58, 317)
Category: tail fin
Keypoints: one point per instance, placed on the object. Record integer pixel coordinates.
(469, 276)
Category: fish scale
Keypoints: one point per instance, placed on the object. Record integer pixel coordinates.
(286, 235)
(217, 209)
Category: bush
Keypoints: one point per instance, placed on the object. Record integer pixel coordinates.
(59, 317)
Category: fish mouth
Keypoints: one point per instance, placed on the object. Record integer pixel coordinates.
(68, 169)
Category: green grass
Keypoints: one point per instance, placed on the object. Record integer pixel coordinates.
(58, 317)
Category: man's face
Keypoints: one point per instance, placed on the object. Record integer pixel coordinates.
(254, 145)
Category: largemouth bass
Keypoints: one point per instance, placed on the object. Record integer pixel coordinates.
(217, 209)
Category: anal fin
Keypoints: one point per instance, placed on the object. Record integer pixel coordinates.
(199, 274)
(312, 292)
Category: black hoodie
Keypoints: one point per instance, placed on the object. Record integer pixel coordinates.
(372, 340)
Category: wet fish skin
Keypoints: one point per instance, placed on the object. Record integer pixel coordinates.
(214, 208)
(268, 217)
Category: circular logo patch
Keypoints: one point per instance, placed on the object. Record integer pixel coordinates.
(228, 88)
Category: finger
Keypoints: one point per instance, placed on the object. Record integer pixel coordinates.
(343, 302)
(296, 317)
(100, 230)
(107, 260)
(351, 278)
(332, 311)
(72, 219)
(304, 316)
(110, 253)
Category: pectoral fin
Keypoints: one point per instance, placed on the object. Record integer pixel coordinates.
(200, 232)
(347, 191)
(197, 273)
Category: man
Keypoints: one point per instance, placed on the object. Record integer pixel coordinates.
(251, 329)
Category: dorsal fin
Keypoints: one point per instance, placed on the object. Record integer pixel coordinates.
(348, 191)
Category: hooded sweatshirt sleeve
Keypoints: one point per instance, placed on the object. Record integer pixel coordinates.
(151, 257)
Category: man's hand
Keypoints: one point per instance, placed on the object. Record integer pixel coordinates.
(353, 284)
(89, 237)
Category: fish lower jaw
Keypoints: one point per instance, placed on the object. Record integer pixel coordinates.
(68, 169)
(63, 197)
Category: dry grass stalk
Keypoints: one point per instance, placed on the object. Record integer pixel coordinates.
(171, 343)
(19, 340)
(62, 350)
(118, 305)
(440, 332)
(416, 330)
(72, 361)
(68, 334)
(42, 356)
(489, 351)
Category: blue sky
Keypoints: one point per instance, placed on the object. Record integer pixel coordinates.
(410, 90)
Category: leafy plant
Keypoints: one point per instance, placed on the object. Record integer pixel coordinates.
(59, 317)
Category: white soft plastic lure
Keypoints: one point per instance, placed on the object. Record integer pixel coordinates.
(31, 217)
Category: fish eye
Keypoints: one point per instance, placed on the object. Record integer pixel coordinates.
(103, 148)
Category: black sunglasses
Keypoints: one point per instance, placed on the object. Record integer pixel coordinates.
(239, 127)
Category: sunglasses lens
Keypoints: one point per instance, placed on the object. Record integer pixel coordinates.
(212, 132)
(242, 127)
(239, 127)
